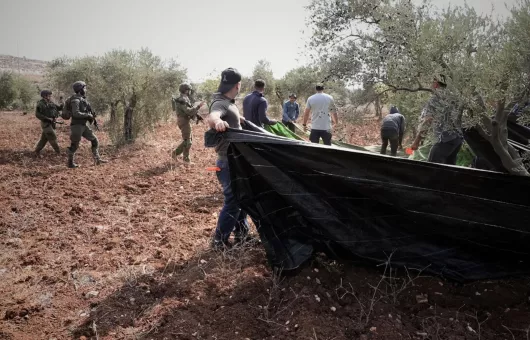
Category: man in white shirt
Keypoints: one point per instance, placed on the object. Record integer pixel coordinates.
(323, 113)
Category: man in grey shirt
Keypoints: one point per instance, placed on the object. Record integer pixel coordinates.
(225, 114)
(323, 112)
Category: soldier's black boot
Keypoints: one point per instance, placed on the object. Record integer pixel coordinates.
(99, 161)
(71, 163)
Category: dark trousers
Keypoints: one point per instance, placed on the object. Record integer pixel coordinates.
(231, 217)
(290, 125)
(315, 136)
(446, 152)
(391, 136)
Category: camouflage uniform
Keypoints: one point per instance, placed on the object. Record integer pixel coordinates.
(445, 107)
(185, 113)
(46, 112)
(79, 128)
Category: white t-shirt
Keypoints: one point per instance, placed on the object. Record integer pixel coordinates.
(320, 104)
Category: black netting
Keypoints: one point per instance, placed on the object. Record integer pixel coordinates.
(461, 223)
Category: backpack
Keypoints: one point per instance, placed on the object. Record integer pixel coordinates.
(66, 113)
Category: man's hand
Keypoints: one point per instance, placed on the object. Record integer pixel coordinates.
(415, 145)
(201, 104)
(221, 125)
(241, 120)
(90, 117)
(273, 121)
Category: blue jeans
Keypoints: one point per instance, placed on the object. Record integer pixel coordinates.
(231, 216)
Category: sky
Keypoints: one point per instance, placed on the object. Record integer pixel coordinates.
(204, 36)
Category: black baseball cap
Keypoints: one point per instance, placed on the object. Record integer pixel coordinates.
(229, 78)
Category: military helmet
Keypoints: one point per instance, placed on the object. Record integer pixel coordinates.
(185, 87)
(78, 85)
(45, 93)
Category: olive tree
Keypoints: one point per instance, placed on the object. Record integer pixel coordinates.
(135, 86)
(404, 46)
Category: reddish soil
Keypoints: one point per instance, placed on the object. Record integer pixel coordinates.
(120, 251)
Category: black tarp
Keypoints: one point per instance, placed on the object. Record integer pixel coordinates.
(461, 223)
(487, 158)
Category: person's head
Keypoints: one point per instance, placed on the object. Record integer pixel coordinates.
(259, 85)
(185, 88)
(393, 110)
(80, 87)
(319, 87)
(439, 82)
(230, 83)
(292, 97)
(46, 95)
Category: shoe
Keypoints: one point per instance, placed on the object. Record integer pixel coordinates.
(220, 245)
(71, 163)
(176, 153)
(99, 161)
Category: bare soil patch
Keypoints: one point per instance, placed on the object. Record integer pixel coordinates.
(120, 251)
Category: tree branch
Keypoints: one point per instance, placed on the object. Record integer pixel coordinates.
(419, 89)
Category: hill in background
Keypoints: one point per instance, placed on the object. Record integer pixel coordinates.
(30, 68)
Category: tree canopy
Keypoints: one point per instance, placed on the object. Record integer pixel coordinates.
(405, 46)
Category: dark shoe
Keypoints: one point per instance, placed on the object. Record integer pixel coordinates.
(177, 152)
(71, 163)
(220, 245)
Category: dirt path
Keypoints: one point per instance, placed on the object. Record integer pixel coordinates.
(120, 251)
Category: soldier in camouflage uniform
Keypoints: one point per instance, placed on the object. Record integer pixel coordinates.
(47, 111)
(185, 113)
(79, 127)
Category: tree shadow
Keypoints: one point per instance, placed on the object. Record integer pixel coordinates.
(158, 170)
(17, 157)
(187, 301)
(234, 295)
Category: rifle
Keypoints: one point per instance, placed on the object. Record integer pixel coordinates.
(93, 113)
(54, 123)
(198, 118)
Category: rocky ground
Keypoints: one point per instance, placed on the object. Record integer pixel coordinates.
(120, 251)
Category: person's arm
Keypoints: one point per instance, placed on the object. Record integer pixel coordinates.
(333, 110)
(262, 113)
(59, 107)
(39, 113)
(215, 121)
(306, 117)
(76, 114)
(424, 126)
(401, 130)
(190, 112)
(297, 112)
(285, 116)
